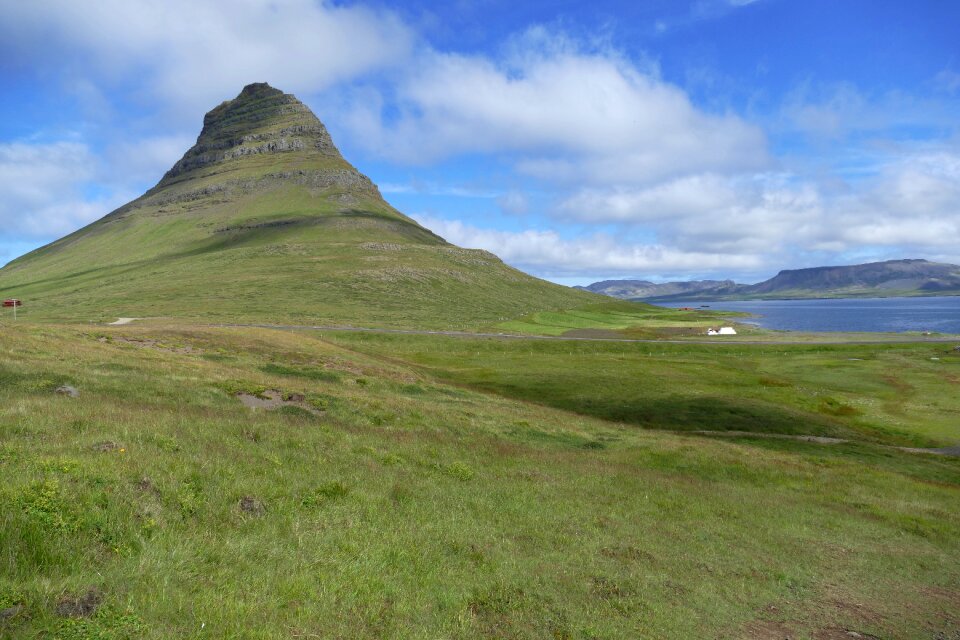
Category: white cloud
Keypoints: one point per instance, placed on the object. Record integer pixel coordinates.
(147, 159)
(829, 115)
(435, 189)
(910, 208)
(514, 202)
(569, 114)
(194, 53)
(914, 204)
(43, 187)
(948, 80)
(742, 214)
(545, 253)
(697, 196)
(830, 112)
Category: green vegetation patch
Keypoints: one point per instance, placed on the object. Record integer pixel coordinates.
(306, 372)
(619, 319)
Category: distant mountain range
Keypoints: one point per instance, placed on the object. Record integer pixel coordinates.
(642, 289)
(893, 278)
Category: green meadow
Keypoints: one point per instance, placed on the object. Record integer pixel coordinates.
(441, 487)
(617, 319)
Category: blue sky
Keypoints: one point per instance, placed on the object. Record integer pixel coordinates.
(578, 141)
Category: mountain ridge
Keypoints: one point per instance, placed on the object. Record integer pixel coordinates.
(640, 289)
(890, 278)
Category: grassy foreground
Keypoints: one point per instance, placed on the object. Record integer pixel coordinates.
(416, 490)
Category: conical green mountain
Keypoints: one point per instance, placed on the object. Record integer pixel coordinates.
(263, 219)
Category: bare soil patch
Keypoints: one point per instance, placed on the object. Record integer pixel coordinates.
(82, 606)
(836, 633)
(274, 399)
(11, 612)
(252, 506)
(150, 343)
(768, 630)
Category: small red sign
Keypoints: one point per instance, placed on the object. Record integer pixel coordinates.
(12, 302)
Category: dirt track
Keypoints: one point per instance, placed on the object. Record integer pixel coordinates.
(511, 336)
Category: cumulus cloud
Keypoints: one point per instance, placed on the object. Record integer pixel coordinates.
(831, 112)
(754, 214)
(193, 53)
(43, 187)
(568, 113)
(698, 196)
(144, 161)
(513, 202)
(546, 253)
(913, 203)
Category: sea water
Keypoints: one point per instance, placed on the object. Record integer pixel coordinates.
(935, 314)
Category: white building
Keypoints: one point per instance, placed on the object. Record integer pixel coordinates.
(722, 331)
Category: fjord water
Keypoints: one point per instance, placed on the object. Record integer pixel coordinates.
(937, 314)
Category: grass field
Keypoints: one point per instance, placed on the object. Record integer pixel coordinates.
(429, 487)
(624, 320)
(899, 394)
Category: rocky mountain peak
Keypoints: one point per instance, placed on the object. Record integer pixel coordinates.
(259, 120)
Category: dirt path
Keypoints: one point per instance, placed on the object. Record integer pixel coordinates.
(120, 321)
(512, 336)
(942, 451)
(777, 436)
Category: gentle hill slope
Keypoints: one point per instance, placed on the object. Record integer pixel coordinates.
(263, 219)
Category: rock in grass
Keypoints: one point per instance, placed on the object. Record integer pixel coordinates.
(67, 390)
(80, 607)
(104, 447)
(11, 612)
(249, 504)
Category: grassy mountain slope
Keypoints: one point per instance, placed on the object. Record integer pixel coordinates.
(264, 220)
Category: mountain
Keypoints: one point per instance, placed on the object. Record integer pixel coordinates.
(893, 278)
(263, 219)
(642, 289)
